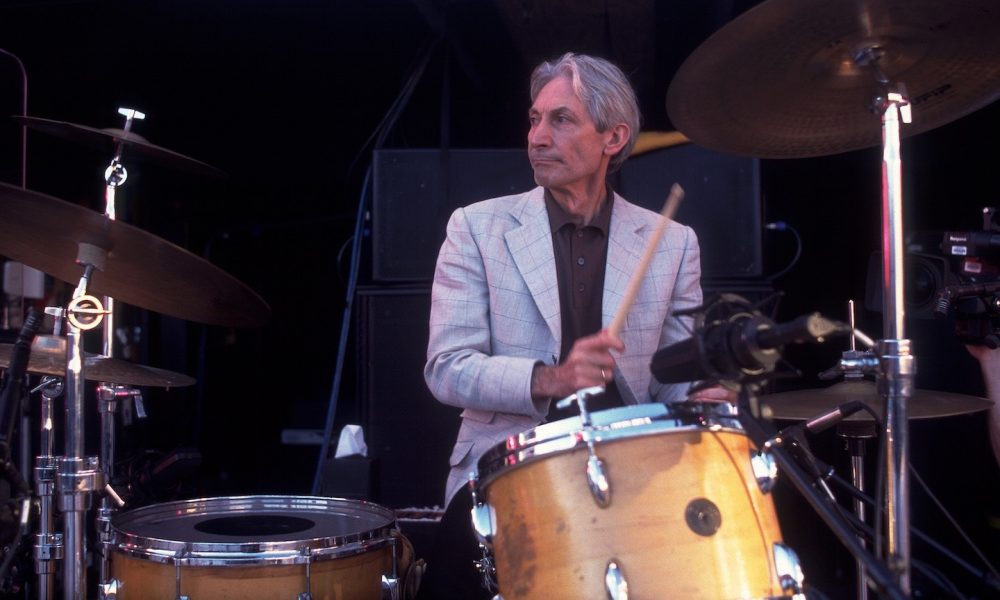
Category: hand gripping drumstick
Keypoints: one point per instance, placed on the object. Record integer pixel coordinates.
(669, 208)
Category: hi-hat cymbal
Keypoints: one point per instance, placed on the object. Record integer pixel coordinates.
(140, 269)
(800, 405)
(781, 80)
(48, 357)
(106, 138)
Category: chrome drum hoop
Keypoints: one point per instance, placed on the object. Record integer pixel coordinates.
(626, 422)
(169, 533)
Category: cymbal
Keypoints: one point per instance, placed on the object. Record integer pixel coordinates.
(800, 405)
(780, 80)
(106, 138)
(141, 269)
(48, 357)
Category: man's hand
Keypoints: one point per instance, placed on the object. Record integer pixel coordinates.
(589, 363)
(715, 394)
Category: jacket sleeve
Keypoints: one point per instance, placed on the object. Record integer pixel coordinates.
(461, 369)
(686, 294)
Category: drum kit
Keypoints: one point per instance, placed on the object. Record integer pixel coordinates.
(643, 501)
(230, 547)
(640, 501)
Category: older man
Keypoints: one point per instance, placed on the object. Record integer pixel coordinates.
(526, 285)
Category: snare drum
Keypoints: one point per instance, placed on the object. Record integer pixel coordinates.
(256, 547)
(682, 514)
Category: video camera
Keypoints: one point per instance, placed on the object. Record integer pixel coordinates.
(951, 273)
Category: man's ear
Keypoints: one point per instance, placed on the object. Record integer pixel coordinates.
(619, 138)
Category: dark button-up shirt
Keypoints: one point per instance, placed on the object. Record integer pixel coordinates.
(581, 254)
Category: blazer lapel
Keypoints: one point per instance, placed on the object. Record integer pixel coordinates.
(530, 245)
(625, 251)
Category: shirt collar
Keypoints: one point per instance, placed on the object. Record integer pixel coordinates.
(559, 217)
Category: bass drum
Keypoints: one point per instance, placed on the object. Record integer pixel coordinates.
(257, 547)
(680, 513)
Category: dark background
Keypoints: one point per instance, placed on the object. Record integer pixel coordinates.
(287, 98)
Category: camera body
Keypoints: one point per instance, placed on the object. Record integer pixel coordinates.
(951, 274)
(975, 298)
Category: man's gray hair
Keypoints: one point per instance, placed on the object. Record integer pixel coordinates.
(602, 87)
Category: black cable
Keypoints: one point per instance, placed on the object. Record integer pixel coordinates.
(849, 487)
(954, 523)
(866, 532)
(783, 226)
(941, 507)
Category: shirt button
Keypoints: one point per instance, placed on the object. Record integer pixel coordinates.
(580, 261)
(580, 288)
(579, 233)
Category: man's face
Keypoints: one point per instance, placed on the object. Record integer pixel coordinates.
(564, 146)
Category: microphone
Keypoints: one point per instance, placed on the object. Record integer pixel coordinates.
(746, 344)
(16, 371)
(828, 419)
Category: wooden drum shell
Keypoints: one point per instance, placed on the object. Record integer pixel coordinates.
(552, 540)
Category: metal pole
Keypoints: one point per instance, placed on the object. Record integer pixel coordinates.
(897, 365)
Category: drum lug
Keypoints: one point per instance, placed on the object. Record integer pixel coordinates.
(109, 590)
(484, 517)
(597, 478)
(789, 569)
(765, 470)
(614, 581)
(390, 589)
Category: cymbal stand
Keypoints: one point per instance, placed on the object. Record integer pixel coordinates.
(897, 365)
(856, 434)
(78, 475)
(108, 394)
(854, 364)
(48, 544)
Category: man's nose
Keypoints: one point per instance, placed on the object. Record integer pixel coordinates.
(538, 135)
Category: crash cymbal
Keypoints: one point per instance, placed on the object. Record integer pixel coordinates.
(106, 139)
(780, 80)
(140, 269)
(805, 404)
(48, 357)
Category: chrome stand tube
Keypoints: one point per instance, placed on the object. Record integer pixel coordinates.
(897, 366)
(114, 176)
(856, 435)
(48, 544)
(73, 500)
(107, 402)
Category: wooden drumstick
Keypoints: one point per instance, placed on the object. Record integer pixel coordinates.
(669, 209)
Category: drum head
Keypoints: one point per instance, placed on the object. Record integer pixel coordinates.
(252, 529)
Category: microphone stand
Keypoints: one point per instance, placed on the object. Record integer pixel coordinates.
(825, 507)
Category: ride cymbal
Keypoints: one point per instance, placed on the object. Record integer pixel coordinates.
(782, 81)
(108, 137)
(139, 268)
(800, 405)
(48, 357)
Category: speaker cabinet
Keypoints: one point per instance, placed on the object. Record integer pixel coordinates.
(415, 191)
(407, 430)
(721, 203)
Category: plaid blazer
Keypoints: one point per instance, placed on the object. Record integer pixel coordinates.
(495, 314)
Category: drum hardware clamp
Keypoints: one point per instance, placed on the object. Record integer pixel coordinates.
(597, 475)
(484, 521)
